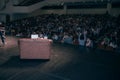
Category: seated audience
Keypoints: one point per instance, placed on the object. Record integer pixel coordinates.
(71, 29)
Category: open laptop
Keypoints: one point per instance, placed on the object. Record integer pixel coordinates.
(34, 36)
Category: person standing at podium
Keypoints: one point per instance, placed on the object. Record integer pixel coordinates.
(2, 34)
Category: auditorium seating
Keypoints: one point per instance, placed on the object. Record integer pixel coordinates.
(107, 48)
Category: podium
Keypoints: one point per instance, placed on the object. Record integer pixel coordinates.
(35, 48)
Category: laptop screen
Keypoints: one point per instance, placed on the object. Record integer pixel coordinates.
(34, 36)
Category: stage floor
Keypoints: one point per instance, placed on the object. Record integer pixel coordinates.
(67, 63)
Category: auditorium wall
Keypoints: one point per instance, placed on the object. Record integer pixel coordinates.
(115, 11)
(16, 2)
(2, 18)
(86, 11)
(17, 16)
(35, 9)
(70, 0)
(40, 12)
(70, 11)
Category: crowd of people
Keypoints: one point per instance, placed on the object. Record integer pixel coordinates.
(84, 30)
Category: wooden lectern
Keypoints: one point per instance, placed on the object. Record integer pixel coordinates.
(35, 48)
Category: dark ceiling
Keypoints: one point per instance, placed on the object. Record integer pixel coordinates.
(31, 2)
(28, 2)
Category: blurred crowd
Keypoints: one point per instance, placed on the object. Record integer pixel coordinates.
(85, 30)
